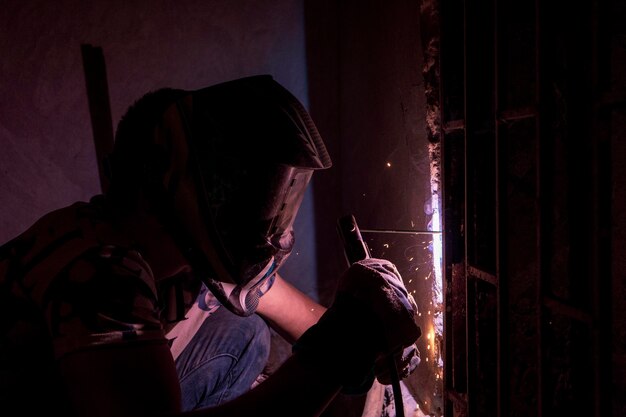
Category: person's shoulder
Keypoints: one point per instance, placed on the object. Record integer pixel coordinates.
(43, 231)
(50, 244)
(57, 224)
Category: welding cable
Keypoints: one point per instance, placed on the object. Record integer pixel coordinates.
(395, 385)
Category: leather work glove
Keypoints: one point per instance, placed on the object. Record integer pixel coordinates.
(378, 284)
(405, 361)
(372, 317)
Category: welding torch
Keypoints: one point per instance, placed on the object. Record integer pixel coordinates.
(355, 249)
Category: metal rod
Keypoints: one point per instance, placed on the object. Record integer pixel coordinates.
(406, 232)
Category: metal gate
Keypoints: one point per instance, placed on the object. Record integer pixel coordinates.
(526, 97)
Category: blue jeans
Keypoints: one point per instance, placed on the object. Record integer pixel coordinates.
(223, 359)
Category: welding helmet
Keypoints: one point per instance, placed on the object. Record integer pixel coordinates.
(237, 158)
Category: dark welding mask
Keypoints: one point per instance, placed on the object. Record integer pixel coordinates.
(241, 154)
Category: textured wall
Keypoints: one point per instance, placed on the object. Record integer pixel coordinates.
(47, 157)
(367, 95)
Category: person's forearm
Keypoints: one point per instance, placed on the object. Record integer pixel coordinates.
(288, 310)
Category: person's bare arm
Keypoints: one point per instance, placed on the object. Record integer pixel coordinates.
(288, 310)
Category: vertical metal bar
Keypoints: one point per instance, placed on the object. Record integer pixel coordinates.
(498, 184)
(602, 303)
(596, 203)
(539, 202)
(452, 98)
(468, 316)
(99, 108)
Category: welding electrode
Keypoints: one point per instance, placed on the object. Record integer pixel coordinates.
(355, 249)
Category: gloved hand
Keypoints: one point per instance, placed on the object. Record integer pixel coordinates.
(372, 316)
(378, 284)
(405, 362)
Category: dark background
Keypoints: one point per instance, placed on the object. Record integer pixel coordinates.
(524, 100)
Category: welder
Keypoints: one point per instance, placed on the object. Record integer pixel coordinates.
(157, 297)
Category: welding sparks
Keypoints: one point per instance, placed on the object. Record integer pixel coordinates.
(425, 280)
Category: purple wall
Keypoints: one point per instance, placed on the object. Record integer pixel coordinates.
(47, 157)
(367, 96)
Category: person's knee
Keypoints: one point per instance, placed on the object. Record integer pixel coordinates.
(258, 336)
(227, 364)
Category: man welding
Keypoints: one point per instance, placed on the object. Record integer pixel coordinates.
(154, 299)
